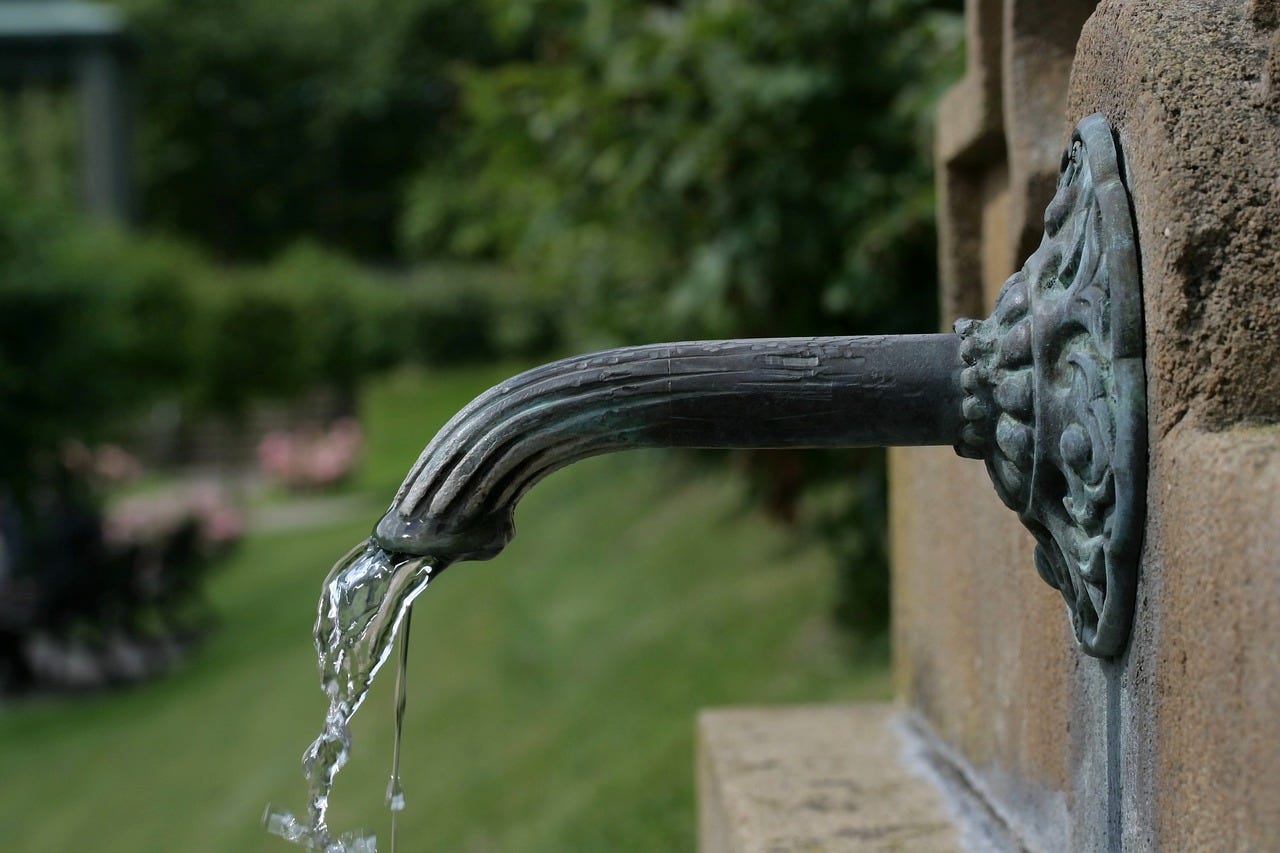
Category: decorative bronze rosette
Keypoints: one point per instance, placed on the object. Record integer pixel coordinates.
(1055, 393)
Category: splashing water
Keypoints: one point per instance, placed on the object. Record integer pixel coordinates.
(366, 597)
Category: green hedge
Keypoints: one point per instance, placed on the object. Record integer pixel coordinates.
(75, 348)
(94, 324)
(261, 122)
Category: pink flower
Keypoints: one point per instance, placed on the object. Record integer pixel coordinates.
(310, 458)
(149, 521)
(114, 464)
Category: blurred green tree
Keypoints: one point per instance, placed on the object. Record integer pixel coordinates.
(72, 352)
(262, 122)
(706, 167)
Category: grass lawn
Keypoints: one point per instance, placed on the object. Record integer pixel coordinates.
(552, 690)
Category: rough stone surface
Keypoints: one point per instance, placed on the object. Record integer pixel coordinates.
(970, 140)
(970, 115)
(983, 650)
(1185, 89)
(1271, 86)
(1201, 703)
(817, 779)
(1264, 14)
(1039, 44)
(1201, 715)
(1177, 744)
(999, 142)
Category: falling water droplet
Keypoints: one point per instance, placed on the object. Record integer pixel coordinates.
(395, 790)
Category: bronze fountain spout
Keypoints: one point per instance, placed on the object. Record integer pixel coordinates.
(772, 392)
(1049, 391)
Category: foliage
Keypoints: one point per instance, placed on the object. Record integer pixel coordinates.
(95, 324)
(309, 318)
(657, 169)
(265, 122)
(89, 598)
(39, 143)
(458, 313)
(73, 349)
(704, 168)
(315, 318)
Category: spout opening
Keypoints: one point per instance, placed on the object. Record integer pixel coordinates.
(447, 539)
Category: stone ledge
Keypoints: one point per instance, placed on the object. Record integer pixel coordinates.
(815, 779)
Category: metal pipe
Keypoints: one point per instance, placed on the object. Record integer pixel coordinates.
(767, 393)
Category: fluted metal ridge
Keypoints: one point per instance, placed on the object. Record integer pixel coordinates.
(756, 393)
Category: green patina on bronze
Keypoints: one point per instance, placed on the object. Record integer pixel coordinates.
(1056, 401)
(1049, 391)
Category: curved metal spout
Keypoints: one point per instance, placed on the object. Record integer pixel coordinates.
(458, 499)
(1049, 391)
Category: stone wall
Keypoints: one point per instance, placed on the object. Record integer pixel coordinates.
(1176, 745)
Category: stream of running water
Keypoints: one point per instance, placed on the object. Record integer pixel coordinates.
(364, 604)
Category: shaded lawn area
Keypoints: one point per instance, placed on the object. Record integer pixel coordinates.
(552, 690)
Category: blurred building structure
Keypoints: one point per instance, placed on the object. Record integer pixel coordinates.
(85, 46)
(1029, 743)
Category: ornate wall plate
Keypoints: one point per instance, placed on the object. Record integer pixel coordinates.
(1055, 393)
